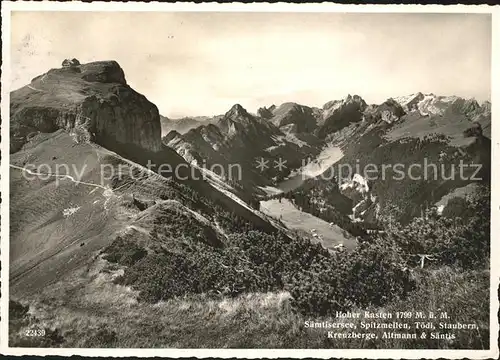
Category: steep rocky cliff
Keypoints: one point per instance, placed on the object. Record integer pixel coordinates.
(92, 101)
(300, 117)
(337, 114)
(389, 111)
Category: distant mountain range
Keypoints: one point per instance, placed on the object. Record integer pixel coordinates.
(295, 132)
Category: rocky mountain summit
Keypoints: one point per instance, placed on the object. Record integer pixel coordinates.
(292, 117)
(389, 111)
(431, 104)
(91, 99)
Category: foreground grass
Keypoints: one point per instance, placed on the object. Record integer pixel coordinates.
(94, 312)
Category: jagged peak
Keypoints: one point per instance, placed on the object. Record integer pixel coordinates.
(354, 97)
(172, 134)
(209, 129)
(236, 110)
(346, 100)
(265, 113)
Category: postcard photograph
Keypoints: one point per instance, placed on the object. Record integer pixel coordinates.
(248, 179)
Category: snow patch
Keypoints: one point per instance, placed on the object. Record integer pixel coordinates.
(358, 183)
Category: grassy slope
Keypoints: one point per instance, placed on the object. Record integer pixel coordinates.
(293, 218)
(45, 244)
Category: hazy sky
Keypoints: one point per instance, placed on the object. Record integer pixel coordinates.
(203, 63)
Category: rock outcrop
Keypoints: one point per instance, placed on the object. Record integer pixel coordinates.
(409, 102)
(389, 111)
(297, 118)
(265, 113)
(241, 127)
(366, 207)
(482, 115)
(92, 98)
(338, 114)
(356, 188)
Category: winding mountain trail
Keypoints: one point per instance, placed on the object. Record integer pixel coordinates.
(32, 88)
(60, 176)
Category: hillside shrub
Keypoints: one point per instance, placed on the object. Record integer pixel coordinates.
(166, 275)
(124, 252)
(372, 275)
(457, 207)
(448, 241)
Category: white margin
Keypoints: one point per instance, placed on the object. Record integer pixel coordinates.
(4, 180)
(8, 7)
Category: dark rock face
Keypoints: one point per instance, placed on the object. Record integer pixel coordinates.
(103, 72)
(92, 98)
(240, 126)
(469, 106)
(173, 134)
(389, 111)
(338, 114)
(301, 117)
(236, 112)
(265, 113)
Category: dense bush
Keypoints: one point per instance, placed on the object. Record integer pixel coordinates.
(251, 261)
(457, 207)
(463, 295)
(17, 311)
(372, 275)
(101, 337)
(448, 241)
(278, 255)
(205, 270)
(124, 252)
(177, 223)
(318, 280)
